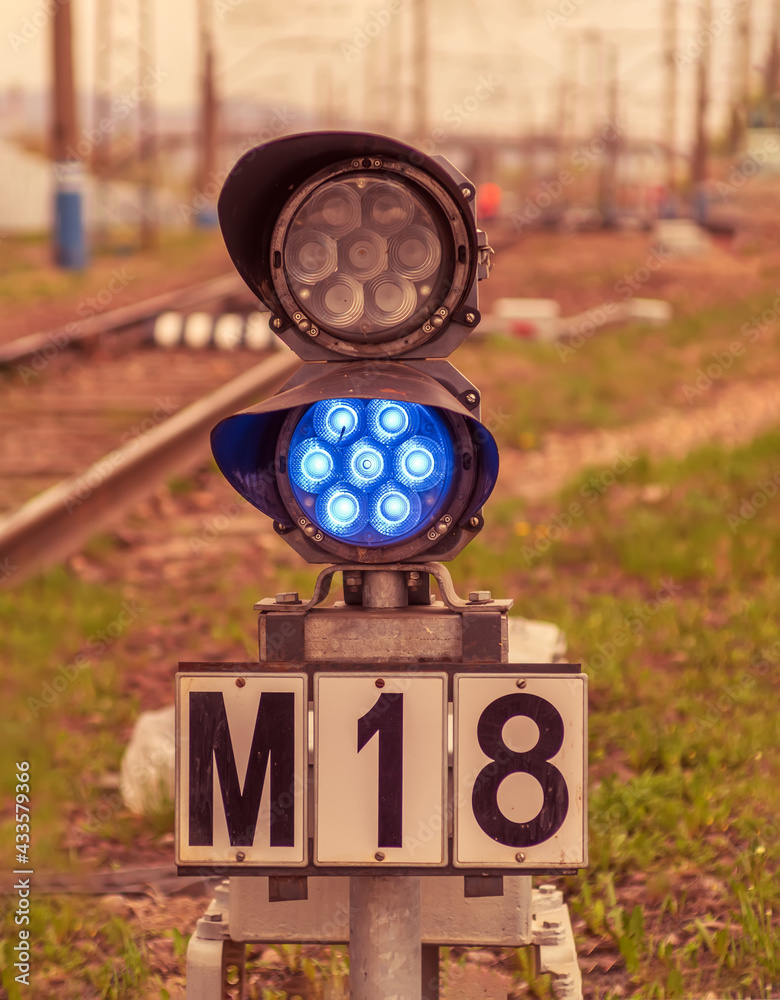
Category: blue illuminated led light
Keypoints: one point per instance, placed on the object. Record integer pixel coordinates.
(339, 421)
(394, 509)
(342, 510)
(390, 421)
(365, 462)
(314, 465)
(420, 463)
(372, 472)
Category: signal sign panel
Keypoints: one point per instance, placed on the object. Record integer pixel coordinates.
(519, 771)
(241, 769)
(380, 769)
(380, 740)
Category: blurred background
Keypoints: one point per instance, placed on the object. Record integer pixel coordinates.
(152, 102)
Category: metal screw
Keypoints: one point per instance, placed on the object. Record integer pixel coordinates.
(474, 522)
(240, 682)
(380, 684)
(466, 191)
(240, 856)
(471, 398)
(520, 682)
(414, 575)
(433, 534)
(470, 318)
(314, 331)
(276, 323)
(379, 856)
(520, 856)
(480, 596)
(291, 597)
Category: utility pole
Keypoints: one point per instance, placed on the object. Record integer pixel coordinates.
(699, 158)
(205, 216)
(420, 68)
(68, 240)
(147, 127)
(670, 95)
(772, 78)
(101, 151)
(567, 93)
(741, 77)
(608, 194)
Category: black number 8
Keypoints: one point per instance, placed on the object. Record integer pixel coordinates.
(536, 762)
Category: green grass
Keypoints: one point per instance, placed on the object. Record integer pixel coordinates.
(79, 952)
(672, 609)
(619, 375)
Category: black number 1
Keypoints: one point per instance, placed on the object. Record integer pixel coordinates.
(386, 718)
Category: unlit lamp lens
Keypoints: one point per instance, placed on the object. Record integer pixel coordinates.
(363, 256)
(371, 472)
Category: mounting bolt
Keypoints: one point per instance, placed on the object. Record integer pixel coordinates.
(471, 398)
(276, 323)
(470, 318)
(379, 856)
(240, 856)
(480, 597)
(466, 191)
(474, 522)
(521, 682)
(214, 917)
(240, 682)
(379, 682)
(291, 597)
(520, 856)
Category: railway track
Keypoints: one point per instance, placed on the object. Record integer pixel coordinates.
(89, 433)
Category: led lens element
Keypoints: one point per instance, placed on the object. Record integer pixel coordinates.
(415, 253)
(312, 256)
(390, 421)
(338, 421)
(314, 465)
(419, 463)
(394, 509)
(342, 511)
(364, 463)
(372, 471)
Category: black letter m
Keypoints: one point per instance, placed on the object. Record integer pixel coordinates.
(274, 738)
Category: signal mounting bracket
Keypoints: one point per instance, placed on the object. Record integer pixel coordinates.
(452, 629)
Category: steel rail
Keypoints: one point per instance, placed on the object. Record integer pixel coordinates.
(117, 320)
(56, 523)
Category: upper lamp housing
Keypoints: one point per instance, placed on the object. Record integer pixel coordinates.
(360, 246)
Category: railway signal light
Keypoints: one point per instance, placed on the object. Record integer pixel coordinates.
(367, 254)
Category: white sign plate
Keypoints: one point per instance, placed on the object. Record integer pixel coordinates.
(520, 771)
(380, 769)
(241, 745)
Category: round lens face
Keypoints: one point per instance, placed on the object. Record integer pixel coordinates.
(371, 472)
(367, 257)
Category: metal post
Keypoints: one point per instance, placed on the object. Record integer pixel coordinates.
(670, 96)
(385, 951)
(69, 243)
